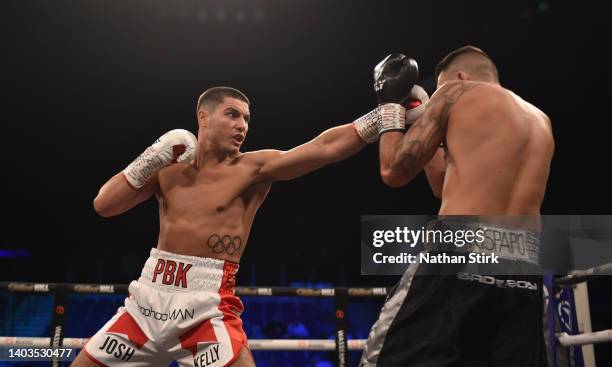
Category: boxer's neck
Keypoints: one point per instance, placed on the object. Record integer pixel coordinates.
(210, 155)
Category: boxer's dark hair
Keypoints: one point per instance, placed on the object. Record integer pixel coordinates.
(213, 96)
(453, 58)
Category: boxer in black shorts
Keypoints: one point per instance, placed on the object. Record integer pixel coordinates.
(486, 152)
(465, 314)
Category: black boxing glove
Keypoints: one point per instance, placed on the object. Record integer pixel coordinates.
(394, 78)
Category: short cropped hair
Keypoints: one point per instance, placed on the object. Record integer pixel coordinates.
(215, 95)
(454, 59)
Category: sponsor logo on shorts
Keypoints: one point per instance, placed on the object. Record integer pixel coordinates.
(180, 314)
(208, 358)
(501, 283)
(508, 242)
(171, 273)
(117, 349)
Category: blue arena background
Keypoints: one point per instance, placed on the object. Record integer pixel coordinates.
(264, 318)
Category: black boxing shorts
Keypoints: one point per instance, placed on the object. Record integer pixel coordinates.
(458, 315)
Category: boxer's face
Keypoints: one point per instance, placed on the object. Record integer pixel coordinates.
(227, 125)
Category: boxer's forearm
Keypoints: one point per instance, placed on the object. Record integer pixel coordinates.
(339, 143)
(138, 181)
(391, 174)
(403, 156)
(117, 196)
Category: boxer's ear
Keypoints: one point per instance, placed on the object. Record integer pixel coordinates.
(461, 75)
(202, 118)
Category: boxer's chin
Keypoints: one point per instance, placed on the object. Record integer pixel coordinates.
(233, 149)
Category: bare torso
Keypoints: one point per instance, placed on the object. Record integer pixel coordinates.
(209, 211)
(498, 153)
(206, 208)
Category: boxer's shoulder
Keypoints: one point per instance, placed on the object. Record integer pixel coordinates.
(472, 99)
(456, 90)
(258, 158)
(176, 169)
(176, 172)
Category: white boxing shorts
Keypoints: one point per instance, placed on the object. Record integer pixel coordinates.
(181, 308)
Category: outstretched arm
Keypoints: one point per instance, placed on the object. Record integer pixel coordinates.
(331, 146)
(403, 156)
(394, 78)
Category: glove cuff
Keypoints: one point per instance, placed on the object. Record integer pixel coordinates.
(393, 117)
(142, 168)
(386, 117)
(367, 126)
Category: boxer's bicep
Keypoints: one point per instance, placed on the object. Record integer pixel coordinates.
(151, 188)
(135, 197)
(293, 163)
(332, 145)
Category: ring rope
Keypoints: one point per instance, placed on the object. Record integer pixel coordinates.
(579, 276)
(280, 344)
(255, 344)
(297, 344)
(574, 277)
(240, 291)
(587, 338)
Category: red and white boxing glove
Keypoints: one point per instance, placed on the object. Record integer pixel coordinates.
(417, 102)
(174, 146)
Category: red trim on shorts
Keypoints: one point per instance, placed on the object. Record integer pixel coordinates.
(232, 308)
(228, 281)
(203, 333)
(236, 355)
(93, 359)
(126, 325)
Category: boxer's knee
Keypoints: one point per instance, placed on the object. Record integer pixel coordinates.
(245, 359)
(82, 360)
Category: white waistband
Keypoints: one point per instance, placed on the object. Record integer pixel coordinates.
(174, 272)
(508, 244)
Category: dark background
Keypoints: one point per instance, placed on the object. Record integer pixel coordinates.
(88, 85)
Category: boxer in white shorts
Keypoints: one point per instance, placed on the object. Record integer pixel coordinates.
(183, 306)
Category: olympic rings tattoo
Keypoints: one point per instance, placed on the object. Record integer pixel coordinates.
(228, 244)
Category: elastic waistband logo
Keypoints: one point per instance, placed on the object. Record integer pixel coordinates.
(500, 283)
